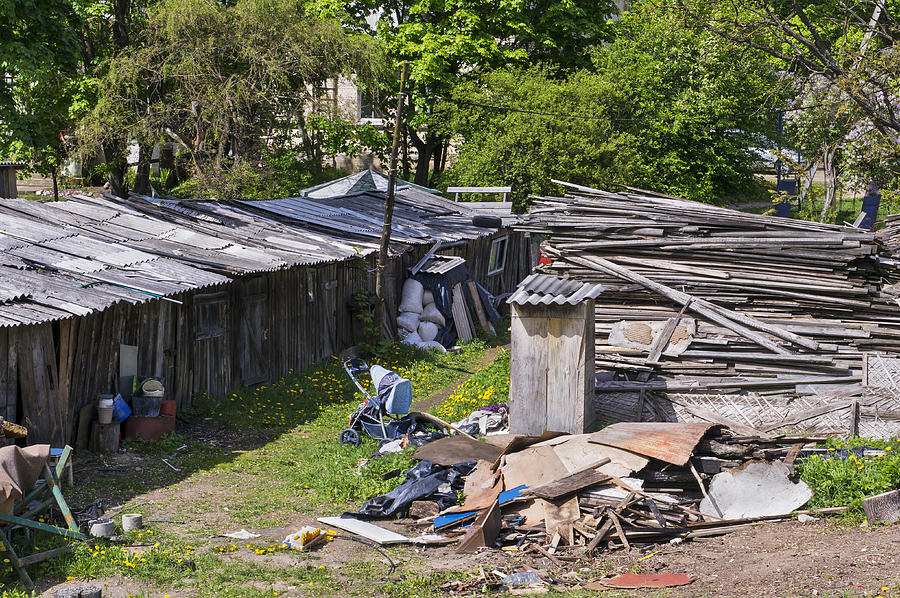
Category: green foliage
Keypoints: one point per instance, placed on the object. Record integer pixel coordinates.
(239, 86)
(40, 85)
(663, 111)
(488, 386)
(837, 482)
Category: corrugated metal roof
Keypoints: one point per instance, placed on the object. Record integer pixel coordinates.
(540, 289)
(670, 442)
(441, 264)
(73, 257)
(13, 164)
(366, 180)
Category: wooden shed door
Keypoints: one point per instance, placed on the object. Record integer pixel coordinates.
(253, 334)
(212, 351)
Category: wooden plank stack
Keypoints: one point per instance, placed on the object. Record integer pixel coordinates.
(779, 304)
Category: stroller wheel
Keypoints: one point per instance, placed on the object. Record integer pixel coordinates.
(350, 436)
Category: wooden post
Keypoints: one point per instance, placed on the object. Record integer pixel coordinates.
(552, 368)
(389, 205)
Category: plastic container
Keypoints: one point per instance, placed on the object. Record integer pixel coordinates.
(167, 407)
(121, 410)
(149, 428)
(105, 415)
(145, 406)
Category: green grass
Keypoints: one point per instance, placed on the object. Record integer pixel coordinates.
(488, 386)
(838, 483)
(260, 457)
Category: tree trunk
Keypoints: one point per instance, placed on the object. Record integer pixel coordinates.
(142, 177)
(53, 175)
(112, 154)
(121, 9)
(806, 181)
(830, 177)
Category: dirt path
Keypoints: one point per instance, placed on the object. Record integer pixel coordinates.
(438, 398)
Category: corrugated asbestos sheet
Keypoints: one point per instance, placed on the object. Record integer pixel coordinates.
(74, 257)
(540, 289)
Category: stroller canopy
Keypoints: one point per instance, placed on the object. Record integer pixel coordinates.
(394, 392)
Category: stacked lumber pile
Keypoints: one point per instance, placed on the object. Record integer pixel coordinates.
(705, 299)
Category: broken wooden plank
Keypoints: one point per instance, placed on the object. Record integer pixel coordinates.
(571, 483)
(483, 531)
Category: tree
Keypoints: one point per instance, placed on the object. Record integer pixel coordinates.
(849, 44)
(38, 81)
(448, 43)
(668, 109)
(845, 48)
(228, 83)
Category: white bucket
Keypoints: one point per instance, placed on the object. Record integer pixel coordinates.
(104, 415)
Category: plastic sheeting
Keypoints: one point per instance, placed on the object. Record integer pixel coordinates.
(425, 481)
(441, 288)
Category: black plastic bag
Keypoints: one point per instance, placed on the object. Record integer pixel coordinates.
(423, 482)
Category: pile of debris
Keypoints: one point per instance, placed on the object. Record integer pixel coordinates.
(702, 300)
(564, 497)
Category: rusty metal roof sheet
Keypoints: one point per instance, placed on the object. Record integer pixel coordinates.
(672, 442)
(540, 289)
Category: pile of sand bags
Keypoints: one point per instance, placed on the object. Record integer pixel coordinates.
(419, 320)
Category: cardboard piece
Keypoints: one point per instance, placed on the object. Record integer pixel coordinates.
(457, 449)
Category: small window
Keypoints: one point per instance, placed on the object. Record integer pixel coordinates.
(368, 107)
(310, 285)
(498, 255)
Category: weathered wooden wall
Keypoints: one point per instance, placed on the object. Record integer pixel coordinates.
(552, 368)
(256, 328)
(477, 254)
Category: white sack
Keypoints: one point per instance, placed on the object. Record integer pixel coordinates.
(412, 339)
(428, 331)
(433, 314)
(432, 345)
(402, 332)
(427, 298)
(411, 298)
(408, 320)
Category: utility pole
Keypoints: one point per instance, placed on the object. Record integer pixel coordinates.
(389, 205)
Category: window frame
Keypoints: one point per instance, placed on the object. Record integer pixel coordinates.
(498, 258)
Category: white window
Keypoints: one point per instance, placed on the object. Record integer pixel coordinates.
(498, 255)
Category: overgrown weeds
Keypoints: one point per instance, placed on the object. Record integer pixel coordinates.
(839, 481)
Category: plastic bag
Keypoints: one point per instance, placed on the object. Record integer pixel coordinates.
(425, 481)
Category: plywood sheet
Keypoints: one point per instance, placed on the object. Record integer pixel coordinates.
(532, 467)
(577, 451)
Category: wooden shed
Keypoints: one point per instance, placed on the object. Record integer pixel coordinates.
(552, 356)
(211, 295)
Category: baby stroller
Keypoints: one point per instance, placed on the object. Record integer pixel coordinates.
(378, 416)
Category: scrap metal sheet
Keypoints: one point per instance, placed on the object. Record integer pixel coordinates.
(670, 442)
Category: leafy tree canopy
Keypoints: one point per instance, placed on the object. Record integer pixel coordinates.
(666, 108)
